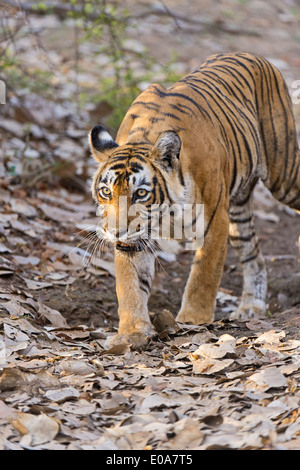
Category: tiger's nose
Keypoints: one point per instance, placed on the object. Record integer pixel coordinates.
(118, 233)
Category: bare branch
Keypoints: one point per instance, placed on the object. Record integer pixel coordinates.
(180, 21)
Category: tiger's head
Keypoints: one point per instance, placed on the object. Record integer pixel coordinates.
(132, 179)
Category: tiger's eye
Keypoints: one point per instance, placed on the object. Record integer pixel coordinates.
(105, 192)
(141, 192)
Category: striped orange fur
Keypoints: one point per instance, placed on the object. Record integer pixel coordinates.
(207, 139)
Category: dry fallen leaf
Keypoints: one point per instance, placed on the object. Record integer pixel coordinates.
(6, 412)
(54, 316)
(210, 366)
(224, 346)
(269, 377)
(4, 248)
(15, 309)
(24, 227)
(40, 428)
(60, 215)
(33, 260)
(117, 349)
(80, 407)
(62, 395)
(187, 435)
(22, 207)
(11, 379)
(72, 366)
(36, 285)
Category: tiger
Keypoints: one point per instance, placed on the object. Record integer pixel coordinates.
(207, 139)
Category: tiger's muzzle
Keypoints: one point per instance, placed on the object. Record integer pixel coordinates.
(128, 247)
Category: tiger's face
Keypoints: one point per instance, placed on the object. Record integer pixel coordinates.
(132, 179)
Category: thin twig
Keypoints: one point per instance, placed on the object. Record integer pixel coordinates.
(213, 25)
(38, 43)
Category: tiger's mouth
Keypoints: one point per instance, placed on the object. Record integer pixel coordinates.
(129, 247)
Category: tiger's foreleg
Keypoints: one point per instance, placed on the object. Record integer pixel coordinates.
(134, 274)
(199, 297)
(243, 238)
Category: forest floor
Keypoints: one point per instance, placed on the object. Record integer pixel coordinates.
(228, 385)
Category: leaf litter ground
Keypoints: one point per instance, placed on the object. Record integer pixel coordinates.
(228, 385)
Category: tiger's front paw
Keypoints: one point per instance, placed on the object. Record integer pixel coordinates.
(249, 309)
(195, 316)
(136, 341)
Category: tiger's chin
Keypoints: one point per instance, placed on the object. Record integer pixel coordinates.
(129, 247)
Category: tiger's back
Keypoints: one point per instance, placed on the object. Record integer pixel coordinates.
(239, 100)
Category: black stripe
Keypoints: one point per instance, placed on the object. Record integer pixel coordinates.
(183, 109)
(294, 199)
(239, 125)
(286, 121)
(235, 213)
(252, 254)
(242, 202)
(242, 238)
(153, 120)
(214, 212)
(240, 221)
(157, 170)
(223, 132)
(292, 180)
(117, 166)
(148, 104)
(140, 157)
(137, 129)
(270, 95)
(249, 258)
(234, 61)
(180, 174)
(230, 71)
(135, 167)
(231, 123)
(144, 181)
(154, 182)
(170, 115)
(161, 193)
(119, 157)
(234, 176)
(244, 101)
(145, 284)
(162, 94)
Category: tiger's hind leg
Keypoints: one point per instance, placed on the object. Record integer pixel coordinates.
(287, 189)
(243, 238)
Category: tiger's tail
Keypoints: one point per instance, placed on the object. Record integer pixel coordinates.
(279, 137)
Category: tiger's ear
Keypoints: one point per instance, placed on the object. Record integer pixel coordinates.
(101, 142)
(167, 149)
